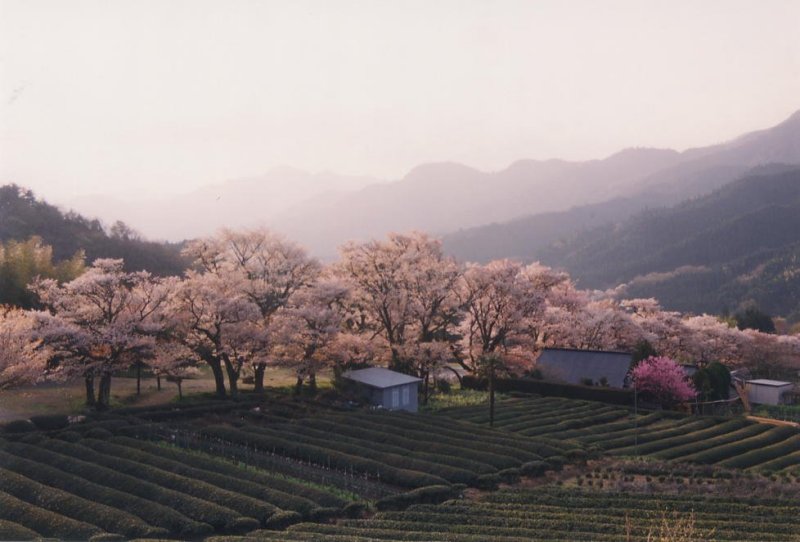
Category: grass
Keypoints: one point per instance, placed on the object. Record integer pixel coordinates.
(458, 398)
(69, 397)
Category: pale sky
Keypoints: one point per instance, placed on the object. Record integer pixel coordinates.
(124, 97)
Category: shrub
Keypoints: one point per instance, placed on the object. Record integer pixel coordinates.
(355, 509)
(488, 481)
(509, 476)
(69, 436)
(19, 426)
(662, 380)
(14, 531)
(52, 422)
(55, 470)
(43, 521)
(424, 495)
(534, 468)
(323, 514)
(52, 499)
(98, 433)
(280, 520)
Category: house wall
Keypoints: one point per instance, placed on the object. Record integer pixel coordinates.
(407, 392)
(767, 395)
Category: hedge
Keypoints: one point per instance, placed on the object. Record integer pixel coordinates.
(19, 426)
(652, 446)
(190, 507)
(67, 504)
(43, 521)
(323, 456)
(219, 507)
(268, 499)
(284, 492)
(510, 443)
(363, 450)
(52, 422)
(558, 389)
(699, 445)
(763, 454)
(423, 495)
(725, 451)
(14, 531)
(393, 443)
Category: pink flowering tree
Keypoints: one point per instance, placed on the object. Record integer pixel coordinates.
(23, 359)
(404, 296)
(662, 380)
(101, 322)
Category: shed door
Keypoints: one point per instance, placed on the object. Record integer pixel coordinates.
(395, 398)
(406, 396)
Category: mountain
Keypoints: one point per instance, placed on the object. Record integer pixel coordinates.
(250, 201)
(740, 243)
(22, 216)
(691, 173)
(441, 197)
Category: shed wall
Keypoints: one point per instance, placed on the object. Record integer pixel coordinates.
(767, 395)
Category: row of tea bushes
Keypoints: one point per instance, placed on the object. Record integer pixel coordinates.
(736, 443)
(555, 514)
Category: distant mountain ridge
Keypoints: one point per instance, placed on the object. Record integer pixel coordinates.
(321, 211)
(695, 172)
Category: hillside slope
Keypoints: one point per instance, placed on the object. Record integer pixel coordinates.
(22, 216)
(739, 243)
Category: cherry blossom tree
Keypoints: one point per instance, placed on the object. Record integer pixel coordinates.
(304, 331)
(662, 380)
(23, 359)
(174, 362)
(405, 292)
(503, 311)
(103, 321)
(269, 268)
(210, 315)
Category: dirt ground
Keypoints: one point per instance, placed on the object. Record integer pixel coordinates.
(68, 398)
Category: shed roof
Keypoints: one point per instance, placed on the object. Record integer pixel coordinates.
(767, 382)
(572, 365)
(378, 377)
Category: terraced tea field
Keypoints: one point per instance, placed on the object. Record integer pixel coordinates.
(561, 515)
(726, 442)
(118, 476)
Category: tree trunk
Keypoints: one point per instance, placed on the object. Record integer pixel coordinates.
(425, 386)
(219, 376)
(179, 383)
(138, 378)
(312, 383)
(104, 392)
(491, 393)
(158, 382)
(298, 386)
(233, 376)
(91, 402)
(258, 378)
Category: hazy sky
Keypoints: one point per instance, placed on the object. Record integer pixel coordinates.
(129, 96)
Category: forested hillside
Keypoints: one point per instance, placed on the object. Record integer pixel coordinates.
(740, 243)
(22, 216)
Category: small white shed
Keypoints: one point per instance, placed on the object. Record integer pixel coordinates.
(768, 392)
(385, 388)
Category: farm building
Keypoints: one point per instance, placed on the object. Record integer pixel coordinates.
(600, 367)
(769, 392)
(385, 388)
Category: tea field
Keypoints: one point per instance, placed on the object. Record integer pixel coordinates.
(286, 469)
(726, 442)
